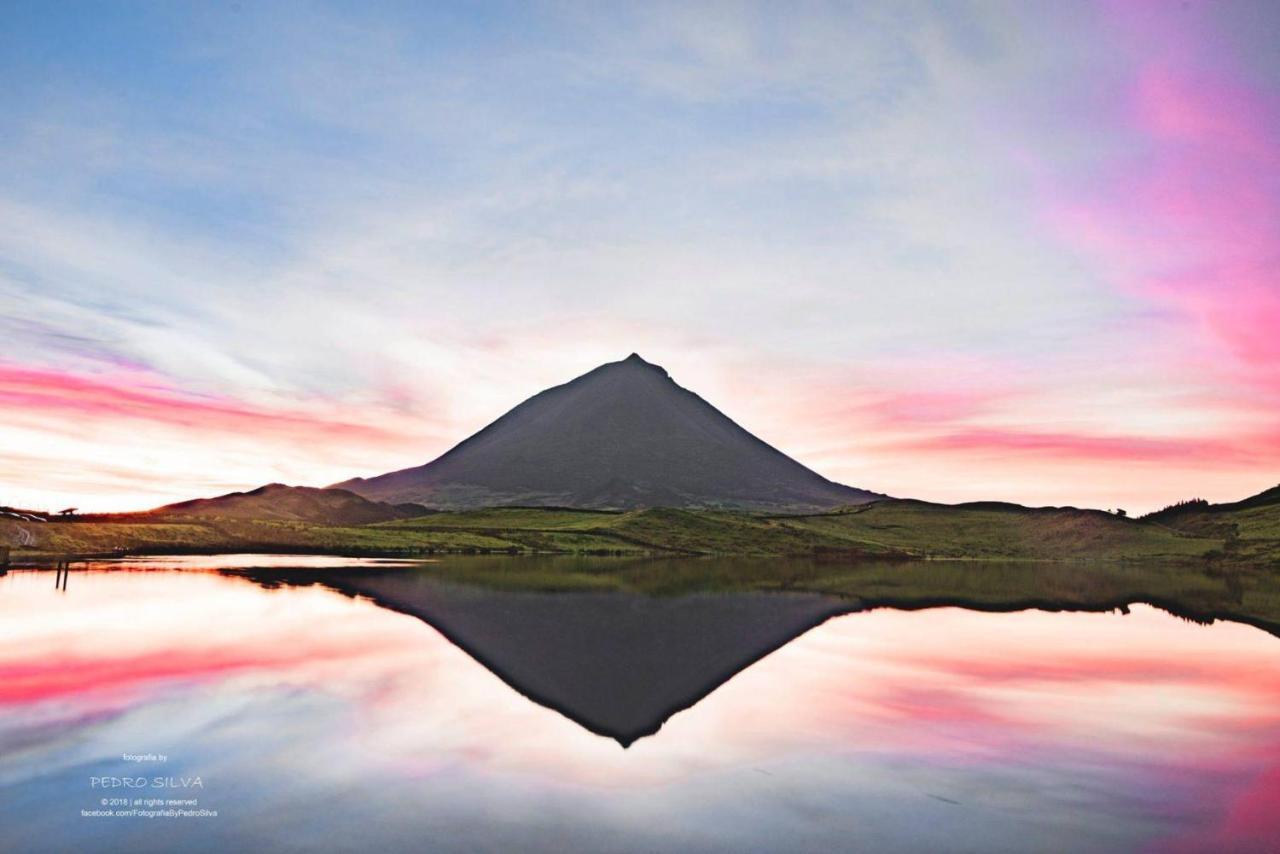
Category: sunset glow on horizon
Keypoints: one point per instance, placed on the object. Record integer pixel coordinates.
(1009, 251)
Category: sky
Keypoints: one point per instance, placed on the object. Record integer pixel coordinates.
(1021, 251)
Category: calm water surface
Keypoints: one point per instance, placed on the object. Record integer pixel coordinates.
(321, 722)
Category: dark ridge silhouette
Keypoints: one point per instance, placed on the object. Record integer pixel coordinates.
(1266, 498)
(623, 436)
(275, 501)
(1176, 509)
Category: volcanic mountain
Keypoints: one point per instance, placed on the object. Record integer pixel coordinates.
(624, 435)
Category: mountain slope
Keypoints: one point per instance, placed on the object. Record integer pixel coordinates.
(275, 501)
(624, 435)
(1266, 498)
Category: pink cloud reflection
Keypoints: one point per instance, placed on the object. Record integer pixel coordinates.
(1144, 712)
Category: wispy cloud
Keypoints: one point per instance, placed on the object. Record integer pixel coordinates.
(916, 221)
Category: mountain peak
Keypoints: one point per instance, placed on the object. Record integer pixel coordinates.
(635, 360)
(623, 435)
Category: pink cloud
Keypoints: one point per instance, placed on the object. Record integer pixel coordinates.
(1184, 218)
(927, 406)
(1074, 446)
(1211, 190)
(134, 397)
(953, 427)
(1189, 219)
(129, 440)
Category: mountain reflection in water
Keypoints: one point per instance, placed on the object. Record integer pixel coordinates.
(620, 664)
(337, 709)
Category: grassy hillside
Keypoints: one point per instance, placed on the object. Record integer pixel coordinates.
(28, 539)
(654, 529)
(896, 529)
(995, 531)
(275, 501)
(228, 535)
(1248, 530)
(903, 528)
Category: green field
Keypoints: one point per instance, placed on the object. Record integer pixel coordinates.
(885, 528)
(1249, 530)
(891, 529)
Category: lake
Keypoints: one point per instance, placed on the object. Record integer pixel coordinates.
(332, 704)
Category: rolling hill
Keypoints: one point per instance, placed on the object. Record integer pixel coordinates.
(1248, 529)
(891, 527)
(278, 502)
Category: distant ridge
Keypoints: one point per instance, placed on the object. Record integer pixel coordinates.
(1266, 498)
(622, 436)
(279, 502)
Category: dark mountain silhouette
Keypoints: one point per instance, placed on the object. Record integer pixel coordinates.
(1266, 498)
(622, 436)
(275, 501)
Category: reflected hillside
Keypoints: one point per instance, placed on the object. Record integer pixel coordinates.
(620, 645)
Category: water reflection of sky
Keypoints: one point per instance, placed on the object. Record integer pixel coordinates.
(319, 722)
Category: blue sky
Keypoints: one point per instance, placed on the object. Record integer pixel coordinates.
(854, 227)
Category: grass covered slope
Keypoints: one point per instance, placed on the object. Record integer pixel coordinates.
(214, 535)
(992, 531)
(1248, 530)
(651, 530)
(27, 539)
(889, 528)
(277, 501)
